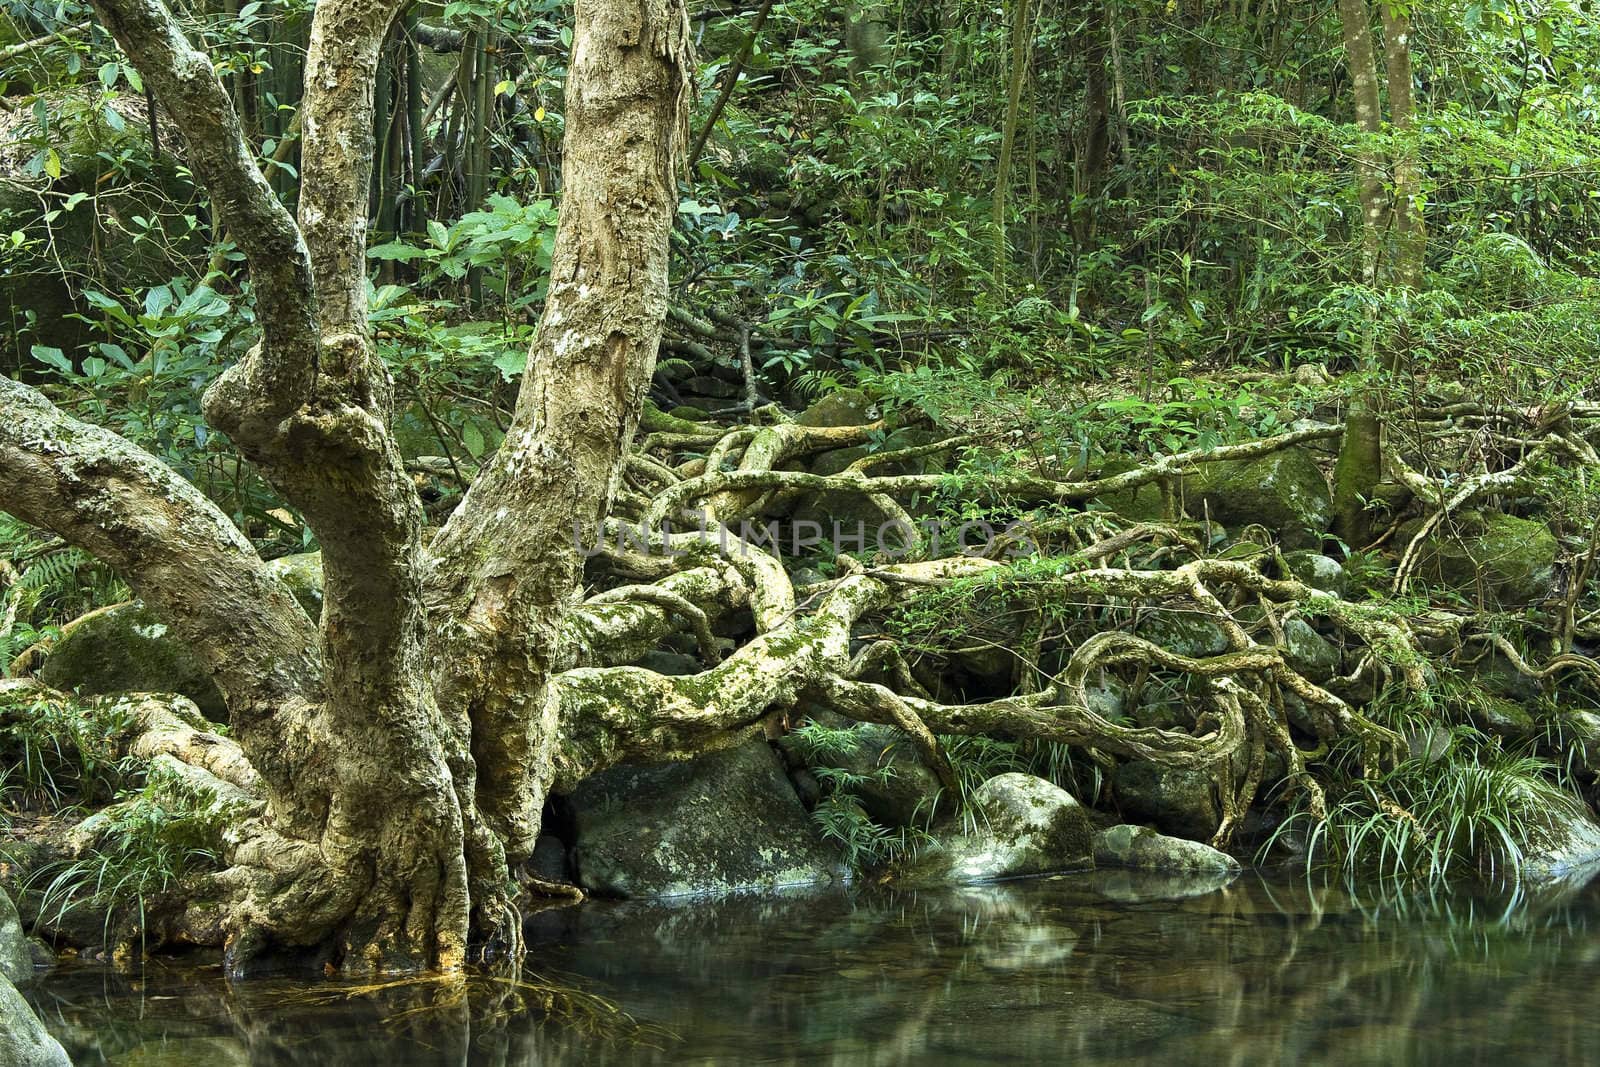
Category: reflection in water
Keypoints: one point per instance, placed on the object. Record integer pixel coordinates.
(1105, 968)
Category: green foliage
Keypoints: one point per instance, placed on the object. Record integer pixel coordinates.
(865, 844)
(1474, 813)
(145, 847)
(62, 753)
(510, 241)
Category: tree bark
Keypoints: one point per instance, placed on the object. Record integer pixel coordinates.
(498, 589)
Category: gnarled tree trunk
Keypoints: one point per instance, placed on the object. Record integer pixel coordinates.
(405, 745)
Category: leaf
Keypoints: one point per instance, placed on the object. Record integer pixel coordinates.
(472, 437)
(52, 163)
(157, 300)
(397, 250)
(53, 357)
(116, 354)
(512, 364)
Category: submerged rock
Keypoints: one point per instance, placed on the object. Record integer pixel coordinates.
(1285, 491)
(24, 1042)
(1508, 560)
(1141, 848)
(1019, 825)
(724, 822)
(129, 650)
(1128, 886)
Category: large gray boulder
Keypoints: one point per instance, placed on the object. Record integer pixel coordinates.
(725, 822)
(129, 650)
(24, 1042)
(1017, 825)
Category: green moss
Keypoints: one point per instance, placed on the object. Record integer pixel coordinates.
(130, 650)
(1509, 561)
(1284, 491)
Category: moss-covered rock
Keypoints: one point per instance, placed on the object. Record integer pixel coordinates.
(1183, 632)
(1507, 560)
(1308, 651)
(1019, 825)
(302, 573)
(1509, 719)
(724, 822)
(884, 770)
(1178, 801)
(1567, 845)
(1285, 491)
(16, 957)
(129, 650)
(1141, 848)
(1144, 504)
(1317, 571)
(842, 407)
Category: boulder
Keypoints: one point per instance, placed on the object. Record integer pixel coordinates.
(1142, 849)
(842, 407)
(128, 650)
(1317, 571)
(1178, 801)
(1182, 632)
(1284, 491)
(1017, 825)
(16, 956)
(24, 1042)
(1309, 652)
(1567, 844)
(1505, 718)
(1507, 560)
(724, 822)
(1143, 504)
(302, 573)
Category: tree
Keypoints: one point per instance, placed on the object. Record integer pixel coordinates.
(404, 746)
(1361, 459)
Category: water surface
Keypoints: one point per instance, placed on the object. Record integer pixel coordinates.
(1104, 968)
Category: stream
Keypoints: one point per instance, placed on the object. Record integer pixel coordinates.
(1100, 968)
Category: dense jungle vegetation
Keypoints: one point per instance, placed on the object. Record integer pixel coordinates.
(1252, 346)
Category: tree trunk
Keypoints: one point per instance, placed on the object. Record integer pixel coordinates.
(1410, 230)
(1021, 52)
(1360, 461)
(408, 743)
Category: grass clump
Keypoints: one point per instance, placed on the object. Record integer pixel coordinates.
(143, 848)
(1465, 808)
